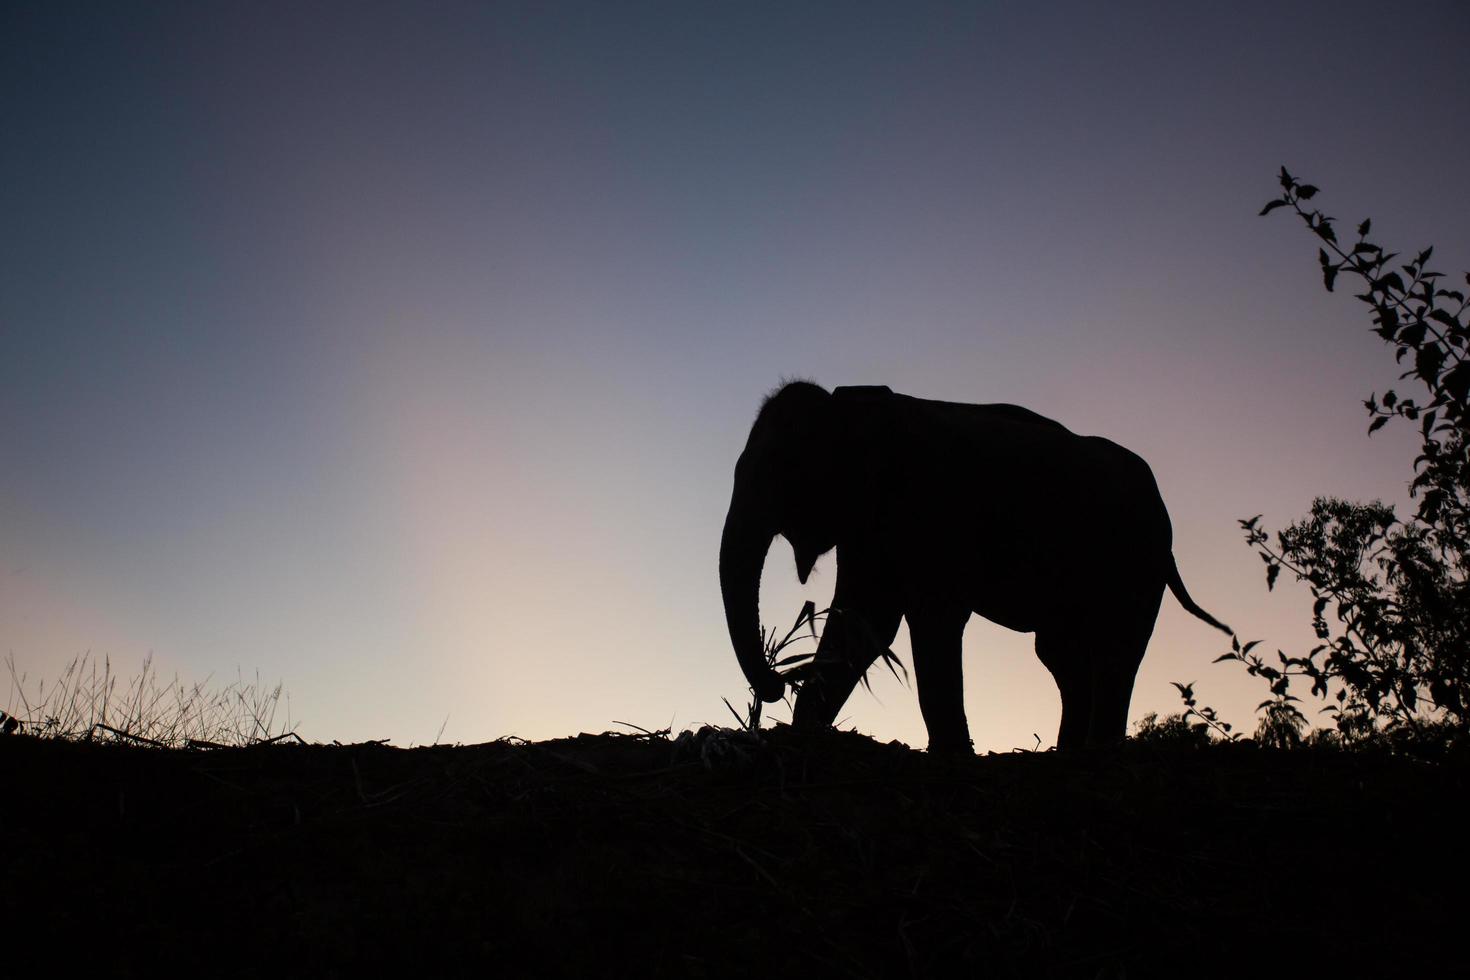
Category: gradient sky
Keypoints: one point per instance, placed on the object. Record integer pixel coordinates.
(403, 352)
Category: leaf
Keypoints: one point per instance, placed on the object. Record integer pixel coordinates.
(809, 614)
(1272, 571)
(1377, 424)
(1287, 180)
(1390, 281)
(894, 665)
(1363, 228)
(1456, 382)
(1306, 192)
(1272, 206)
(1427, 363)
(740, 720)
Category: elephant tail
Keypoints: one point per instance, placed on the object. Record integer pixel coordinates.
(1176, 586)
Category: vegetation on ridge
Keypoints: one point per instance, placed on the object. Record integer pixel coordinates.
(1390, 593)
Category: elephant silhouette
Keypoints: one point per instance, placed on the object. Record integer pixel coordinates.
(939, 510)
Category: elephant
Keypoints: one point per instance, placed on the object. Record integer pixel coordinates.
(939, 510)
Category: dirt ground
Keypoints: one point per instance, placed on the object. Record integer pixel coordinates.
(714, 856)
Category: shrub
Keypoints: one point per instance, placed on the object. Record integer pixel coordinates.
(1174, 729)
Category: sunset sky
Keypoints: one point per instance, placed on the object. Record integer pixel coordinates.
(402, 352)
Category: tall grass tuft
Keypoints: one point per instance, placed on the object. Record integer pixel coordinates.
(87, 703)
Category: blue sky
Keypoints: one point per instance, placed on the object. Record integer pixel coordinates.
(402, 352)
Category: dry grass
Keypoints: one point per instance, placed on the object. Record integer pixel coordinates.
(87, 703)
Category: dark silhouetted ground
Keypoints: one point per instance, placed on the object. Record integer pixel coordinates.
(616, 855)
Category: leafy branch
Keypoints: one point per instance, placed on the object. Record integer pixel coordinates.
(1209, 720)
(1423, 321)
(1397, 646)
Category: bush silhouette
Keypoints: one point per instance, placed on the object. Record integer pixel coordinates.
(1391, 594)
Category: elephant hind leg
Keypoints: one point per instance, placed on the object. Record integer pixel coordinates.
(1114, 671)
(1118, 653)
(1067, 658)
(1095, 677)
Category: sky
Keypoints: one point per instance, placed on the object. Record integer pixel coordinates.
(402, 352)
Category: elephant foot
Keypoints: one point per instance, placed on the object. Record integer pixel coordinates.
(951, 749)
(810, 722)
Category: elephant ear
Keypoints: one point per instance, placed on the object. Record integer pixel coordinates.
(867, 442)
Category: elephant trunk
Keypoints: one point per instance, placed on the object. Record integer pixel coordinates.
(743, 547)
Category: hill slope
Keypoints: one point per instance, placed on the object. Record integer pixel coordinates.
(623, 855)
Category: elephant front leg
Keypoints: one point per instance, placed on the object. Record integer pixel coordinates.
(937, 638)
(847, 649)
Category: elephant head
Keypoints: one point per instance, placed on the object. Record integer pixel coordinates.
(800, 449)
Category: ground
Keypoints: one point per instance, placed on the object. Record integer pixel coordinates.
(619, 855)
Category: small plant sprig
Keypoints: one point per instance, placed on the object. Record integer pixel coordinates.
(862, 645)
(869, 649)
(1281, 720)
(1209, 722)
(804, 628)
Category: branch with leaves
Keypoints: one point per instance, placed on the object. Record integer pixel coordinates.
(1426, 324)
(1396, 650)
